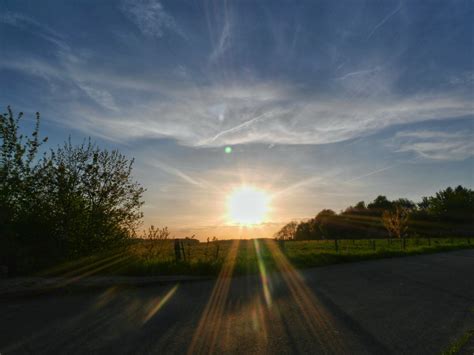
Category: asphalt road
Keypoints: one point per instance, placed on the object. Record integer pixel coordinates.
(410, 305)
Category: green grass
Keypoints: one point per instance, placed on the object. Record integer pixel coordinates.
(457, 345)
(141, 259)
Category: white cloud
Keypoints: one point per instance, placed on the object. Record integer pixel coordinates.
(223, 42)
(384, 20)
(150, 17)
(36, 28)
(102, 97)
(435, 145)
(372, 82)
(176, 172)
(223, 112)
(270, 113)
(461, 79)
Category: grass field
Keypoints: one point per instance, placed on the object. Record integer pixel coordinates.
(144, 258)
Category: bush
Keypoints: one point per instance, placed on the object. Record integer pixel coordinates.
(65, 203)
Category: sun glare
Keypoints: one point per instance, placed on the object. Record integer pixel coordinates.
(247, 206)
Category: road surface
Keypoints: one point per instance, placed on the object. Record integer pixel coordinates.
(409, 305)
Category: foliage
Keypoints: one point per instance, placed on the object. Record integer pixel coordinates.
(396, 221)
(154, 240)
(65, 203)
(287, 232)
(450, 211)
(454, 205)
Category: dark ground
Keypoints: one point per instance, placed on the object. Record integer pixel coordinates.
(409, 305)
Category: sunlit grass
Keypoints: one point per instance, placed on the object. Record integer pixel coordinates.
(252, 257)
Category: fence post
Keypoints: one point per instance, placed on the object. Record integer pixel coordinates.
(373, 244)
(217, 250)
(177, 250)
(429, 241)
(336, 245)
(183, 250)
(281, 244)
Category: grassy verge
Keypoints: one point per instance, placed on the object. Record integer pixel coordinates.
(456, 347)
(142, 259)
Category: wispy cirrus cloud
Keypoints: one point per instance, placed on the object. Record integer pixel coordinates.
(177, 172)
(384, 20)
(436, 145)
(35, 27)
(277, 114)
(235, 112)
(151, 18)
(221, 110)
(223, 41)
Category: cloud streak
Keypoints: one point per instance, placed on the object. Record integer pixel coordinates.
(384, 20)
(224, 110)
(151, 18)
(223, 113)
(435, 145)
(292, 119)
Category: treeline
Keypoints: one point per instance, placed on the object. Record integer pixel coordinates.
(61, 203)
(449, 212)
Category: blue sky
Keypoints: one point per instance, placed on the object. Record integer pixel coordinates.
(325, 103)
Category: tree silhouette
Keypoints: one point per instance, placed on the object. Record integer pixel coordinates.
(287, 232)
(67, 202)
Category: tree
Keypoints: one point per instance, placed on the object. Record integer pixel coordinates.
(449, 212)
(94, 194)
(71, 201)
(154, 240)
(325, 222)
(396, 221)
(287, 232)
(22, 175)
(380, 204)
(453, 205)
(405, 203)
(303, 231)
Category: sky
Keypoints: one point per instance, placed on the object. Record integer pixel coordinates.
(324, 103)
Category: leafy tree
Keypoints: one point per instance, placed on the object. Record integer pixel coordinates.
(304, 231)
(380, 204)
(396, 221)
(287, 232)
(405, 203)
(93, 192)
(453, 205)
(21, 181)
(449, 212)
(325, 223)
(71, 201)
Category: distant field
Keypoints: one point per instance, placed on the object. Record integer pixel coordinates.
(144, 258)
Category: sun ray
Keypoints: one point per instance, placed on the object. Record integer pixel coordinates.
(206, 334)
(319, 322)
(263, 274)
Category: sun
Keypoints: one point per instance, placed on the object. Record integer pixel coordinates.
(247, 206)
